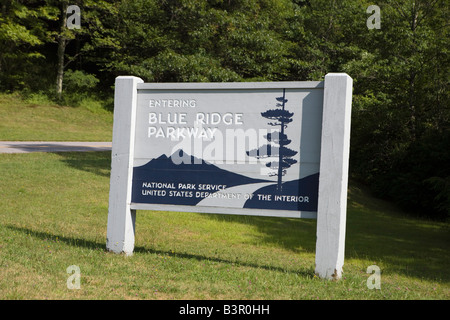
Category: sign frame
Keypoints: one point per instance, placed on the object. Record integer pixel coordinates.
(333, 179)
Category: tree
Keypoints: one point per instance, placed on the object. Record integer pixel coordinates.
(22, 33)
(400, 118)
(281, 118)
(62, 38)
(91, 36)
(199, 40)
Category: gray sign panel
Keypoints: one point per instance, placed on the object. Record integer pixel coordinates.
(246, 148)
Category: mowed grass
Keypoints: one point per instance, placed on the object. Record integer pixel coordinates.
(53, 214)
(37, 119)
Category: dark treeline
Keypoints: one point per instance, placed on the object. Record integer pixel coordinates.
(400, 143)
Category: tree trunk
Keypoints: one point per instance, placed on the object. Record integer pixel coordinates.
(62, 42)
(412, 74)
(60, 69)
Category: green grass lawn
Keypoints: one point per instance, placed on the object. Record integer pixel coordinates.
(40, 120)
(53, 214)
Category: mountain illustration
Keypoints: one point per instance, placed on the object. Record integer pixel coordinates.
(167, 173)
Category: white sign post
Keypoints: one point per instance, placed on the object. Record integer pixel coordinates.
(121, 218)
(263, 148)
(334, 158)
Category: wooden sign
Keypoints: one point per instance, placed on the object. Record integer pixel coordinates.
(265, 148)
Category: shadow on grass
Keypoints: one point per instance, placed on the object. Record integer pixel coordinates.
(376, 231)
(93, 245)
(98, 163)
(76, 242)
(297, 235)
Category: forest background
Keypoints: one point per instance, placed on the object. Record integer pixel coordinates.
(400, 142)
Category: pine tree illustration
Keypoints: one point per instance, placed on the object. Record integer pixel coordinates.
(278, 141)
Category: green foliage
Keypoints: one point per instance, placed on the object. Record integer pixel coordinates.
(78, 81)
(418, 178)
(202, 40)
(21, 32)
(79, 89)
(173, 67)
(400, 102)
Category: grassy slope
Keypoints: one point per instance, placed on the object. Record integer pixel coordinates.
(47, 225)
(43, 121)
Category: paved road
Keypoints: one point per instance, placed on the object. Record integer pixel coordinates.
(50, 146)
